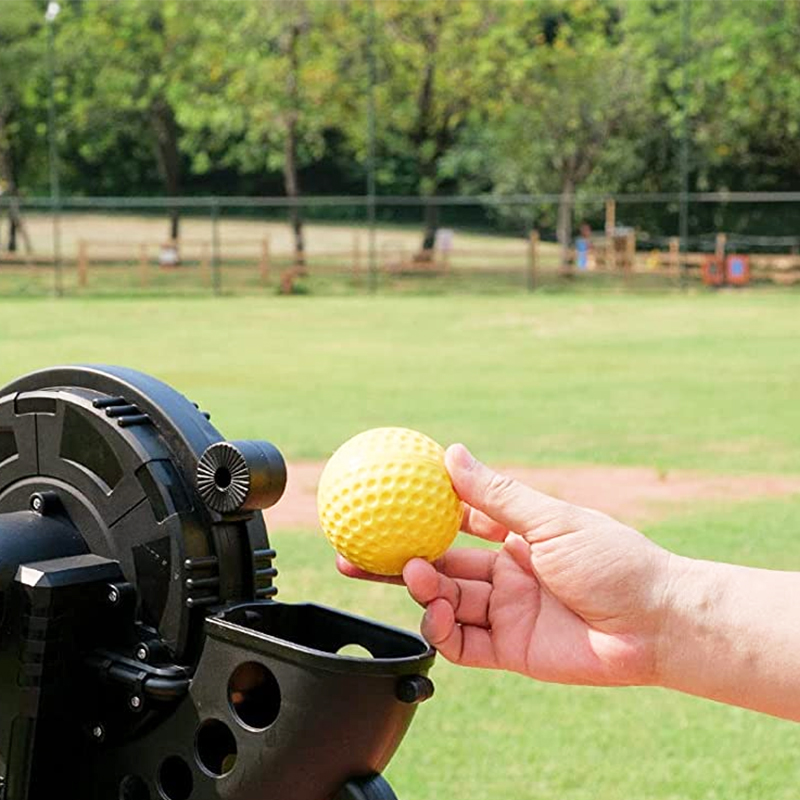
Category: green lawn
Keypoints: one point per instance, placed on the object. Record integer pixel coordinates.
(709, 382)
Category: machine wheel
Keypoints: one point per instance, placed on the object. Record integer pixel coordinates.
(374, 787)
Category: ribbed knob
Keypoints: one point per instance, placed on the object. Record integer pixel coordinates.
(241, 476)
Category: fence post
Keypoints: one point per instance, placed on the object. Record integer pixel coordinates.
(264, 266)
(611, 242)
(629, 265)
(216, 274)
(83, 263)
(719, 250)
(630, 251)
(144, 267)
(533, 253)
(356, 256)
(674, 252)
(205, 265)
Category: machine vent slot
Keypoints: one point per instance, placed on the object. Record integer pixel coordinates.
(8, 445)
(83, 444)
(34, 405)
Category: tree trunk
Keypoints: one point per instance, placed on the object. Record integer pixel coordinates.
(165, 130)
(17, 226)
(290, 179)
(292, 187)
(566, 204)
(8, 184)
(426, 136)
(423, 139)
(431, 225)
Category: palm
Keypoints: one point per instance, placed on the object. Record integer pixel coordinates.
(489, 609)
(514, 611)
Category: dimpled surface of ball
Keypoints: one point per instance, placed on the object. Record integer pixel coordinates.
(385, 497)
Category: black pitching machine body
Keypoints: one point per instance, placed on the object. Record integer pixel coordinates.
(143, 655)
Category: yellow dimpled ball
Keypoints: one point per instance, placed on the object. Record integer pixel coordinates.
(385, 497)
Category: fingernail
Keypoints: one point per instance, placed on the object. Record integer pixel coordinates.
(462, 458)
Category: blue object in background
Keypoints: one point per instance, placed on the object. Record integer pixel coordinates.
(582, 253)
(736, 267)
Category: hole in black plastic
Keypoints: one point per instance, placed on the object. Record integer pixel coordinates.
(222, 477)
(132, 787)
(175, 779)
(325, 629)
(35, 405)
(8, 445)
(254, 695)
(354, 651)
(215, 747)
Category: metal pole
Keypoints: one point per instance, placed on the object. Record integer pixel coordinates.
(216, 272)
(684, 156)
(55, 189)
(371, 201)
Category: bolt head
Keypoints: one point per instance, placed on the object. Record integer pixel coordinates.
(414, 689)
(142, 653)
(37, 503)
(135, 702)
(113, 595)
(98, 732)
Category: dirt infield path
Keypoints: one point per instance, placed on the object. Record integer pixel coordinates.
(632, 494)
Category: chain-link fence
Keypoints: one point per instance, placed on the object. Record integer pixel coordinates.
(343, 245)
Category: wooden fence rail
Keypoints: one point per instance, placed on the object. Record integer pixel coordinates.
(531, 259)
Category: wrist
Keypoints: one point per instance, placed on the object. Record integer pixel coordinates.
(685, 616)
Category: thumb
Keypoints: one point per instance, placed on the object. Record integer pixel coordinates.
(513, 504)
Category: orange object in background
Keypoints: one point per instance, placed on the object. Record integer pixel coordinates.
(737, 270)
(713, 271)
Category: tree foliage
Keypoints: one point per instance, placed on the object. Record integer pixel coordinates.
(22, 62)
(566, 109)
(123, 60)
(554, 96)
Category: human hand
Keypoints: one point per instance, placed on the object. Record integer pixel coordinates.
(571, 595)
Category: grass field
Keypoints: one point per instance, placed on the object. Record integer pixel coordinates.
(709, 382)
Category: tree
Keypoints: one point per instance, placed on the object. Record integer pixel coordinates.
(747, 80)
(434, 61)
(737, 95)
(259, 85)
(123, 82)
(21, 54)
(565, 114)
